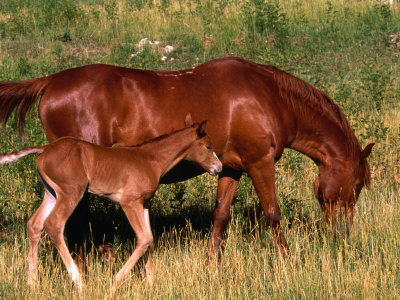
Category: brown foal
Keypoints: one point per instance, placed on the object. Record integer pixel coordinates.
(69, 167)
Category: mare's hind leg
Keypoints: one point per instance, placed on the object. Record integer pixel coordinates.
(262, 174)
(54, 226)
(35, 228)
(136, 216)
(227, 184)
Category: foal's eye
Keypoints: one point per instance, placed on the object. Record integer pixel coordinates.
(209, 148)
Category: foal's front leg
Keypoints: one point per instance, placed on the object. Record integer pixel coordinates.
(149, 263)
(136, 215)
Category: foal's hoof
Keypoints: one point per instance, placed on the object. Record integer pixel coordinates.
(113, 289)
(32, 282)
(149, 279)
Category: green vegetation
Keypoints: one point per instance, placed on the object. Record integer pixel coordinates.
(350, 49)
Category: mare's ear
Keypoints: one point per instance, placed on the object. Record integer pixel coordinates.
(366, 152)
(188, 120)
(201, 130)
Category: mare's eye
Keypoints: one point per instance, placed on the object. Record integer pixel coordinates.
(209, 147)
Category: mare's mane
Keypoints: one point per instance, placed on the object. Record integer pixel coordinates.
(303, 97)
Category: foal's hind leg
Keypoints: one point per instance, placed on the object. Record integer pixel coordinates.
(35, 228)
(54, 226)
(77, 233)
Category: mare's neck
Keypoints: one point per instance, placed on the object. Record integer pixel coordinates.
(170, 150)
(326, 141)
(322, 131)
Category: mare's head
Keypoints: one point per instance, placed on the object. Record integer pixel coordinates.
(202, 153)
(339, 184)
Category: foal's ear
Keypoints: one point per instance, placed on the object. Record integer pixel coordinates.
(201, 130)
(366, 152)
(188, 120)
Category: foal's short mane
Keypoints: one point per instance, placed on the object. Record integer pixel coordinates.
(302, 97)
(163, 136)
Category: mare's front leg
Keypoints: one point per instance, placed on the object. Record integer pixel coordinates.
(135, 213)
(262, 174)
(227, 184)
(35, 228)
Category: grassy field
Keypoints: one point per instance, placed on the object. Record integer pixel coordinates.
(350, 49)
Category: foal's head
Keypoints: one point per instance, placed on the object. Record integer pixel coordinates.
(339, 185)
(201, 152)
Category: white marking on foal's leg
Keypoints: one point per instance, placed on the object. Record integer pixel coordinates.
(75, 276)
(215, 155)
(73, 271)
(50, 205)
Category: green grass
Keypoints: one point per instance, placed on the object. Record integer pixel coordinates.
(342, 47)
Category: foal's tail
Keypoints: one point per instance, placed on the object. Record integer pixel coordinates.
(20, 96)
(8, 158)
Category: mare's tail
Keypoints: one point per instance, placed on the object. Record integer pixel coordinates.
(8, 158)
(20, 96)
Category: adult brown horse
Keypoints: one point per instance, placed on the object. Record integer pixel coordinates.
(254, 112)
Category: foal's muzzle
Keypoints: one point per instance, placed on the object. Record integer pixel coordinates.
(216, 168)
